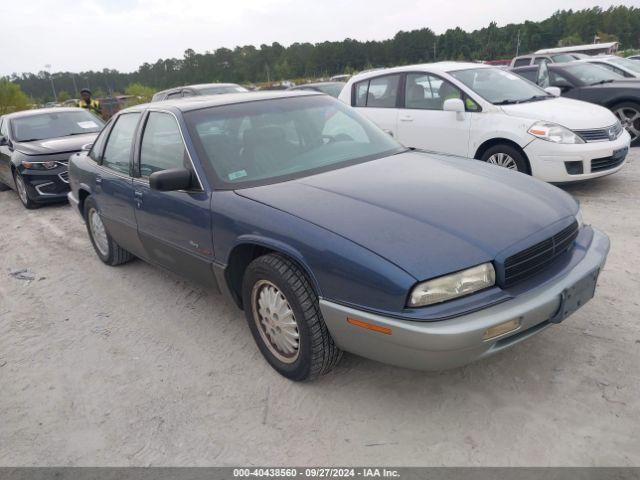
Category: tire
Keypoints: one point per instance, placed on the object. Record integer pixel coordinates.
(316, 353)
(23, 192)
(629, 115)
(506, 156)
(106, 248)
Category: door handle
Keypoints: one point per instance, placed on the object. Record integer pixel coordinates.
(137, 195)
(406, 118)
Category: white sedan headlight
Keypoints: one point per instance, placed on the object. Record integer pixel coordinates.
(552, 132)
(453, 286)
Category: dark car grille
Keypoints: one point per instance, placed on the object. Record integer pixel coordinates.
(600, 164)
(532, 260)
(64, 176)
(601, 134)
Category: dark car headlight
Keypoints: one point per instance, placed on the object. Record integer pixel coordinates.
(453, 285)
(48, 165)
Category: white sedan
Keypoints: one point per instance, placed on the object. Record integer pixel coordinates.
(490, 114)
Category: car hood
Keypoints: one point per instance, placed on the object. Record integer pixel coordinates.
(573, 114)
(428, 214)
(50, 146)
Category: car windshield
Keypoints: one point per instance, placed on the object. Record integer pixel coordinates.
(267, 141)
(499, 86)
(222, 89)
(591, 74)
(563, 58)
(41, 126)
(630, 65)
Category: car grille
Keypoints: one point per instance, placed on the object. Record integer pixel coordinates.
(528, 262)
(601, 134)
(64, 176)
(600, 164)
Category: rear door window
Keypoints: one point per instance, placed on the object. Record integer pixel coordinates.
(117, 153)
(522, 62)
(380, 92)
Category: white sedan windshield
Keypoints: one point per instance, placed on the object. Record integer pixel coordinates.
(499, 86)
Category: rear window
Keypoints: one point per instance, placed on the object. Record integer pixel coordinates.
(522, 62)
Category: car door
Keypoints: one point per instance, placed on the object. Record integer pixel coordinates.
(174, 227)
(423, 123)
(113, 184)
(377, 99)
(5, 153)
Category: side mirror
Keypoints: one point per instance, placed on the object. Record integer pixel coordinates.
(453, 105)
(171, 180)
(563, 85)
(555, 91)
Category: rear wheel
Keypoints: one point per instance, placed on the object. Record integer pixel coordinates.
(506, 156)
(629, 115)
(23, 192)
(284, 317)
(105, 246)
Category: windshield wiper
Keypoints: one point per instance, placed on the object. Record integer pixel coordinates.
(524, 100)
(602, 82)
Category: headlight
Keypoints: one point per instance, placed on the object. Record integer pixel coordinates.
(39, 165)
(552, 132)
(453, 286)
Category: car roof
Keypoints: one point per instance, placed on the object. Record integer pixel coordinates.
(197, 86)
(438, 67)
(40, 111)
(196, 103)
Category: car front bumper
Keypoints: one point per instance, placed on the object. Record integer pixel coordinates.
(457, 341)
(550, 161)
(46, 185)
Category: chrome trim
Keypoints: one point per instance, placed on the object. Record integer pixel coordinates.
(38, 187)
(113, 172)
(65, 180)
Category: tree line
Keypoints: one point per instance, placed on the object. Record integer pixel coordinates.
(250, 64)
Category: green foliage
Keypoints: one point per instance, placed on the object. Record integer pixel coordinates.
(12, 98)
(141, 93)
(272, 63)
(63, 96)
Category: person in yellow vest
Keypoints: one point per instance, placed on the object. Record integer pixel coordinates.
(89, 103)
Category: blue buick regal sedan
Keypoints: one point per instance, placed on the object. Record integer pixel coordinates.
(330, 235)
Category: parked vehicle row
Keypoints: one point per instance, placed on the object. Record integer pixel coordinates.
(329, 223)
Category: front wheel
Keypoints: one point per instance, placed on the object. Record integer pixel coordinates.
(23, 193)
(629, 115)
(506, 156)
(284, 317)
(105, 246)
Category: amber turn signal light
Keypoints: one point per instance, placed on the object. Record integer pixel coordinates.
(369, 326)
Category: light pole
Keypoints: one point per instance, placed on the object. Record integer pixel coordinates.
(53, 88)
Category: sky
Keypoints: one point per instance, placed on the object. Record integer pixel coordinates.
(79, 35)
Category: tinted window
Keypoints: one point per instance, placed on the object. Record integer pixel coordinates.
(522, 62)
(96, 150)
(117, 152)
(529, 75)
(177, 94)
(272, 140)
(428, 92)
(40, 126)
(590, 73)
(540, 60)
(563, 58)
(162, 147)
(380, 92)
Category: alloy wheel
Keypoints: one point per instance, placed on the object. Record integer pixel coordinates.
(22, 189)
(630, 119)
(98, 232)
(275, 321)
(503, 160)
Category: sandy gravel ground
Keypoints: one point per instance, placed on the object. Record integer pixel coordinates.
(134, 366)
